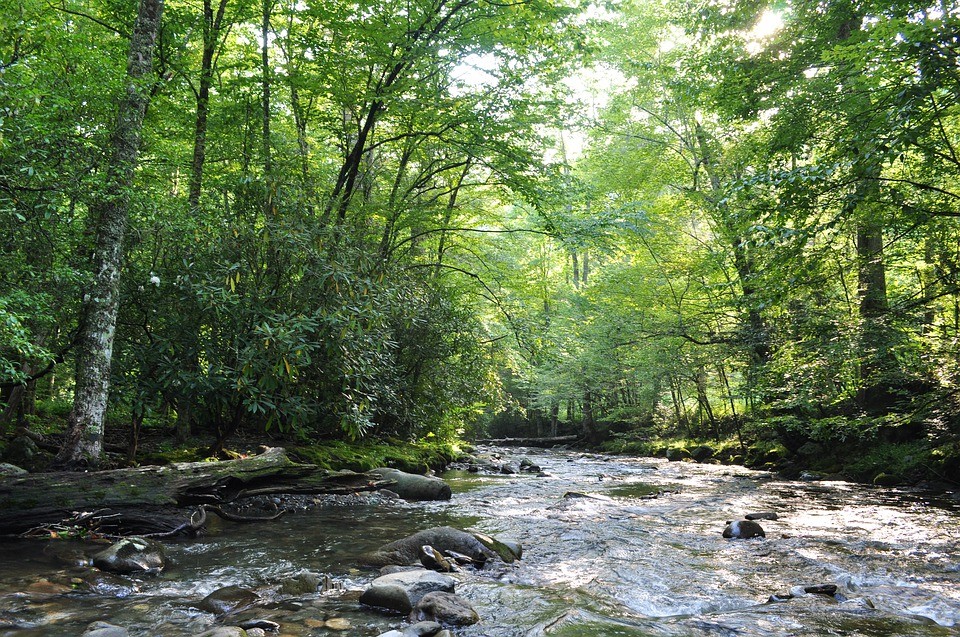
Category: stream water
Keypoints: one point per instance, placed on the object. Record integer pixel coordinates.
(643, 558)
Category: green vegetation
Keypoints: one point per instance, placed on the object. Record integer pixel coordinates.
(723, 229)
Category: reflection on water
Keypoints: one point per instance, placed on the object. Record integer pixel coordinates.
(644, 557)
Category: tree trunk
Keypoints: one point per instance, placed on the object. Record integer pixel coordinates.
(265, 87)
(32, 500)
(84, 441)
(211, 37)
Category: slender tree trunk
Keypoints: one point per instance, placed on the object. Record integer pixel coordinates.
(265, 89)
(84, 440)
(589, 423)
(211, 37)
(448, 215)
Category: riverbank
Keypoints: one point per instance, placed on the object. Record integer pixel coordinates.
(879, 462)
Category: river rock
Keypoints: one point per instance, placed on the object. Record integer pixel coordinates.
(821, 589)
(228, 599)
(406, 551)
(131, 555)
(509, 468)
(529, 466)
(422, 629)
(445, 608)
(224, 631)
(259, 624)
(432, 559)
(509, 552)
(411, 486)
(338, 623)
(300, 584)
(401, 591)
(22, 452)
(7, 469)
(743, 529)
(762, 515)
(103, 629)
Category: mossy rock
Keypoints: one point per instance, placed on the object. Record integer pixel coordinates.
(677, 453)
(887, 480)
(702, 453)
(766, 455)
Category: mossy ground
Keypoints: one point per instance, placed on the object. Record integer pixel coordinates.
(157, 446)
(873, 460)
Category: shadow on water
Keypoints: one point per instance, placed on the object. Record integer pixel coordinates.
(612, 546)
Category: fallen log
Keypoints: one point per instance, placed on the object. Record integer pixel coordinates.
(153, 499)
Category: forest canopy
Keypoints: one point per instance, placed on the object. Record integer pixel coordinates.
(441, 218)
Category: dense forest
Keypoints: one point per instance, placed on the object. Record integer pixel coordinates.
(641, 220)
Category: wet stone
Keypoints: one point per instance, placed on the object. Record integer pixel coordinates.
(762, 515)
(131, 555)
(338, 623)
(224, 631)
(743, 529)
(228, 599)
(422, 629)
(103, 629)
(447, 609)
(300, 584)
(821, 589)
(260, 624)
(401, 591)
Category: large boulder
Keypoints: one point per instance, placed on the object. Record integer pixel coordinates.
(411, 486)
(447, 609)
(401, 591)
(131, 555)
(406, 551)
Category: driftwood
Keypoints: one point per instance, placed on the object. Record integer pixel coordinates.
(161, 500)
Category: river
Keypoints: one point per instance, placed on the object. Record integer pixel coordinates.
(642, 556)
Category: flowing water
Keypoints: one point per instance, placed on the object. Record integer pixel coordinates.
(640, 555)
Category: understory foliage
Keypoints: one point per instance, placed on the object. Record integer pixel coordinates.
(717, 220)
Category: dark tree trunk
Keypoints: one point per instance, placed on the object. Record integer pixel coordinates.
(265, 87)
(84, 441)
(212, 23)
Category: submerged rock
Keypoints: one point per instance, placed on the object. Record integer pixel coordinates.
(103, 629)
(401, 591)
(445, 608)
(743, 529)
(224, 631)
(763, 515)
(422, 629)
(228, 599)
(301, 584)
(131, 555)
(411, 486)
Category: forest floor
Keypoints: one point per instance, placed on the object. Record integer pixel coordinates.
(847, 449)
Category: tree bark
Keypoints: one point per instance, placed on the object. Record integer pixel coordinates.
(135, 495)
(211, 37)
(84, 441)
